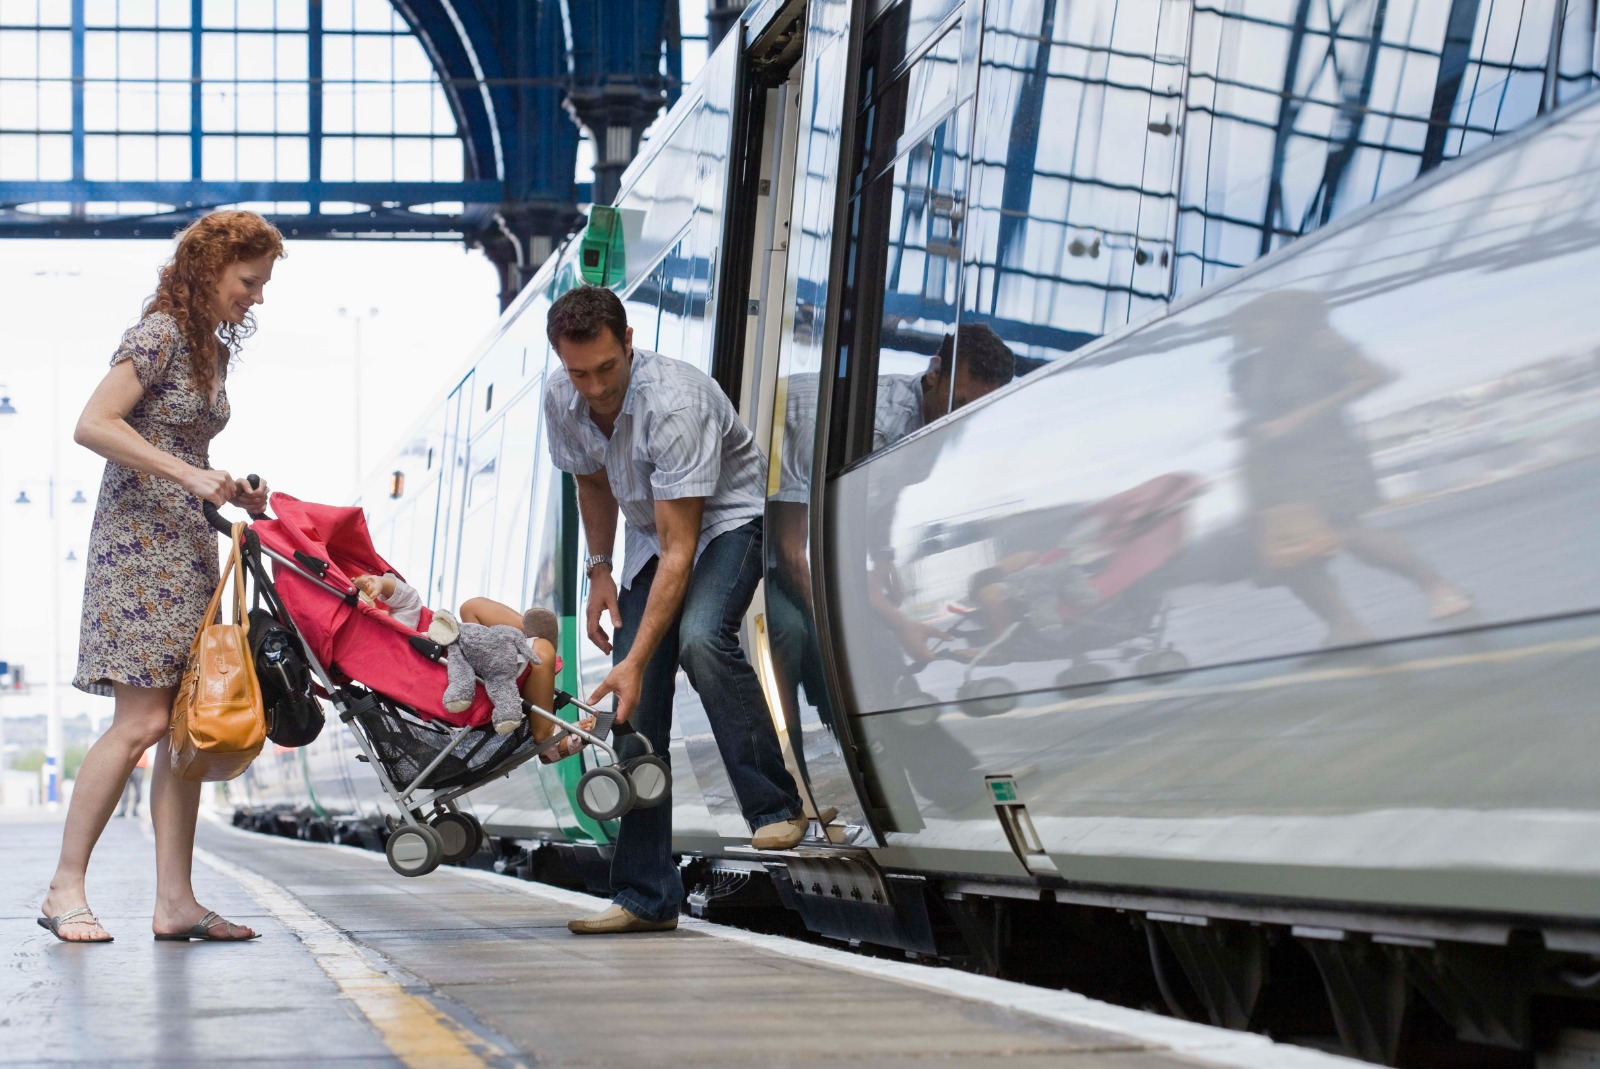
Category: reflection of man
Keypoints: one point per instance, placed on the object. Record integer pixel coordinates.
(1307, 469)
(968, 365)
(658, 441)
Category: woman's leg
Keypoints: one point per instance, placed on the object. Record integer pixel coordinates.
(139, 719)
(174, 806)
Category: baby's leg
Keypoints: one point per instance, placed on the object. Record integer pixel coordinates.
(489, 612)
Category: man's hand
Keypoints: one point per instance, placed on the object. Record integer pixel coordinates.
(602, 596)
(625, 681)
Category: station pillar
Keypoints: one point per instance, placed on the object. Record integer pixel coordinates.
(520, 237)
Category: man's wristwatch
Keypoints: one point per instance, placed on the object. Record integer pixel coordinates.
(590, 561)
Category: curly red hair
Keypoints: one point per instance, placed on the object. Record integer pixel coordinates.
(189, 280)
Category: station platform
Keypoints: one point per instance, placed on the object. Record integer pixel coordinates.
(464, 969)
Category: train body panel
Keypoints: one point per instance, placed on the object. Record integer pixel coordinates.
(1368, 706)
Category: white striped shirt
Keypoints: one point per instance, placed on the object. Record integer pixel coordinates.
(897, 412)
(676, 436)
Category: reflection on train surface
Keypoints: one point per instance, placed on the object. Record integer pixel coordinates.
(1267, 623)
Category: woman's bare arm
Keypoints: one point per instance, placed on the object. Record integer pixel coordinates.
(103, 428)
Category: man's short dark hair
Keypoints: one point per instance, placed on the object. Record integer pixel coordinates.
(581, 314)
(985, 357)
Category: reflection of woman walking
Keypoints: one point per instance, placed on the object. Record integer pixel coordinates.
(1307, 470)
(152, 557)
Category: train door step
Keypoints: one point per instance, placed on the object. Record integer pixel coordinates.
(841, 893)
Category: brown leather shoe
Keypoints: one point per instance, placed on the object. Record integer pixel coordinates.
(614, 920)
(781, 835)
(786, 834)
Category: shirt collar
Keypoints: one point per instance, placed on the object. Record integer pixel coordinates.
(643, 369)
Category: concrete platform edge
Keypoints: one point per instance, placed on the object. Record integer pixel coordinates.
(1202, 1043)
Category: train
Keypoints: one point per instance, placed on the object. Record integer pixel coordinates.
(1196, 615)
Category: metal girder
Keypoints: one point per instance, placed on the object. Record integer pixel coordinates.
(513, 89)
(1022, 149)
(617, 84)
(1459, 29)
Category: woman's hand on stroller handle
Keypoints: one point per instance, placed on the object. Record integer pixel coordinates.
(235, 496)
(250, 494)
(210, 485)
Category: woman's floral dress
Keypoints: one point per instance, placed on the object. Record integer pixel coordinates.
(152, 562)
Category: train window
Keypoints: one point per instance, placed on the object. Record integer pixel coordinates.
(904, 271)
(905, 231)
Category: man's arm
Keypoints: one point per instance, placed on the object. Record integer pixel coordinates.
(597, 507)
(678, 525)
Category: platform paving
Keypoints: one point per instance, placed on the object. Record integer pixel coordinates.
(359, 967)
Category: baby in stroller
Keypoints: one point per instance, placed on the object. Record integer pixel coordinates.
(537, 684)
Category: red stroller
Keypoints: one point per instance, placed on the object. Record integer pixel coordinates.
(387, 683)
(1092, 593)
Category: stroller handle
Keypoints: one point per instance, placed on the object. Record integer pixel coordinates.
(214, 518)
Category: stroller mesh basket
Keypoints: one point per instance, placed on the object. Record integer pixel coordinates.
(406, 745)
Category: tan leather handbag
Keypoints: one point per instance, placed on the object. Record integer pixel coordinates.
(1293, 534)
(218, 725)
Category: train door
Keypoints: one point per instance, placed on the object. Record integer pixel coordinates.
(774, 175)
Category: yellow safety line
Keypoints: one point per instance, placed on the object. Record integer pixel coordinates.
(416, 1031)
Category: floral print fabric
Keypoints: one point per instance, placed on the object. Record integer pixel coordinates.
(152, 562)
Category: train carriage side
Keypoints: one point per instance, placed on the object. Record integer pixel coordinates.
(1288, 595)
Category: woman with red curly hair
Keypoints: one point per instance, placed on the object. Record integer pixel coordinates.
(152, 561)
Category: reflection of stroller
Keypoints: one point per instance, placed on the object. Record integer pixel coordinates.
(1094, 597)
(387, 682)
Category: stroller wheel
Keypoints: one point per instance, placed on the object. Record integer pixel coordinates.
(414, 850)
(987, 697)
(460, 836)
(650, 779)
(1086, 678)
(604, 793)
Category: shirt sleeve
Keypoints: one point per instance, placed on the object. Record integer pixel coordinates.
(405, 604)
(566, 450)
(150, 344)
(685, 449)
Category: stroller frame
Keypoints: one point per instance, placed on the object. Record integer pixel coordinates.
(354, 702)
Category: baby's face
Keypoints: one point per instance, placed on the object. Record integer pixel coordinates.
(367, 584)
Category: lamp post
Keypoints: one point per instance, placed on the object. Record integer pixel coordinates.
(358, 317)
(53, 765)
(6, 409)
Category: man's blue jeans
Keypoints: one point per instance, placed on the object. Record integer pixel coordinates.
(705, 641)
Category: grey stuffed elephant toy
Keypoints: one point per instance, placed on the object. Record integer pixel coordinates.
(494, 655)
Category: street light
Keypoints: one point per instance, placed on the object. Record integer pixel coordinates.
(6, 409)
(358, 317)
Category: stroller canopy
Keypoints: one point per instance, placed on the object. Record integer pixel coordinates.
(354, 641)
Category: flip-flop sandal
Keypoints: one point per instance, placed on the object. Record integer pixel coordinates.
(203, 929)
(81, 915)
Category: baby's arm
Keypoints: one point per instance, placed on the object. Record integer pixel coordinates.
(404, 602)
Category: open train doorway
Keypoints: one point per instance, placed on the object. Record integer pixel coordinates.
(768, 123)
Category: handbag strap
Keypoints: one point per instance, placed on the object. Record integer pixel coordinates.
(236, 563)
(215, 605)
